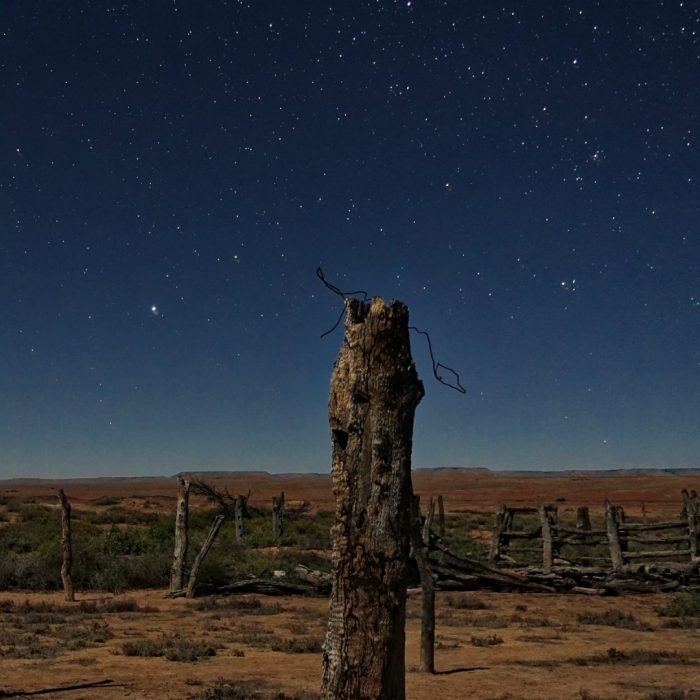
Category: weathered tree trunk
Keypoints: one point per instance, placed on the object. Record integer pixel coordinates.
(374, 394)
(238, 511)
(430, 516)
(67, 546)
(612, 525)
(427, 622)
(177, 572)
(278, 516)
(208, 542)
(583, 518)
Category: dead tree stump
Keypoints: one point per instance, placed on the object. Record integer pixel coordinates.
(374, 393)
(208, 542)
(177, 572)
(67, 547)
(278, 516)
(427, 623)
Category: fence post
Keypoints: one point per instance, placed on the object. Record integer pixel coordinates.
(612, 526)
(278, 516)
(208, 542)
(547, 543)
(67, 546)
(374, 394)
(421, 547)
(690, 506)
(430, 516)
(238, 511)
(441, 517)
(583, 518)
(177, 571)
(497, 535)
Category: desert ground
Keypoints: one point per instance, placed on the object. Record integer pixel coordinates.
(490, 645)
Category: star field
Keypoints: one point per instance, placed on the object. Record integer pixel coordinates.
(523, 176)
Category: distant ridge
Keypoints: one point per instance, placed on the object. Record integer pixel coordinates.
(474, 471)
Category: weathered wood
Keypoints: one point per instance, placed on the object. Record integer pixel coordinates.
(547, 544)
(441, 516)
(278, 516)
(622, 585)
(464, 565)
(320, 580)
(659, 553)
(67, 547)
(644, 527)
(208, 542)
(622, 533)
(238, 512)
(429, 517)
(256, 585)
(497, 535)
(580, 542)
(657, 540)
(613, 529)
(427, 627)
(177, 571)
(693, 517)
(583, 518)
(582, 534)
(374, 393)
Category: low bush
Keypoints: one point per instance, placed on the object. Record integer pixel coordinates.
(682, 605)
(173, 648)
(298, 645)
(612, 618)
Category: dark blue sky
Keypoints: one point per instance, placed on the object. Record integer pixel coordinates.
(525, 177)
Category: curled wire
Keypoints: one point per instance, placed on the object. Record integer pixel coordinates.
(340, 293)
(335, 290)
(438, 365)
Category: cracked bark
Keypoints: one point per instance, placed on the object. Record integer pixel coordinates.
(374, 393)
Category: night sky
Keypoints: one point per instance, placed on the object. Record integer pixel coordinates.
(524, 176)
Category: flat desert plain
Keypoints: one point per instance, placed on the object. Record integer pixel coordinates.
(491, 645)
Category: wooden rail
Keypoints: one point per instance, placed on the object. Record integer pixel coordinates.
(624, 542)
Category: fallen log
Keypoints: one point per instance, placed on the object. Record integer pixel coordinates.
(253, 585)
(618, 585)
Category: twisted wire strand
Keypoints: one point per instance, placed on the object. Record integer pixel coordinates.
(437, 366)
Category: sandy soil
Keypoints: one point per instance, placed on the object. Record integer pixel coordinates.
(542, 649)
(519, 646)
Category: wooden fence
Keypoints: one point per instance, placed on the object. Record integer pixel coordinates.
(522, 536)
